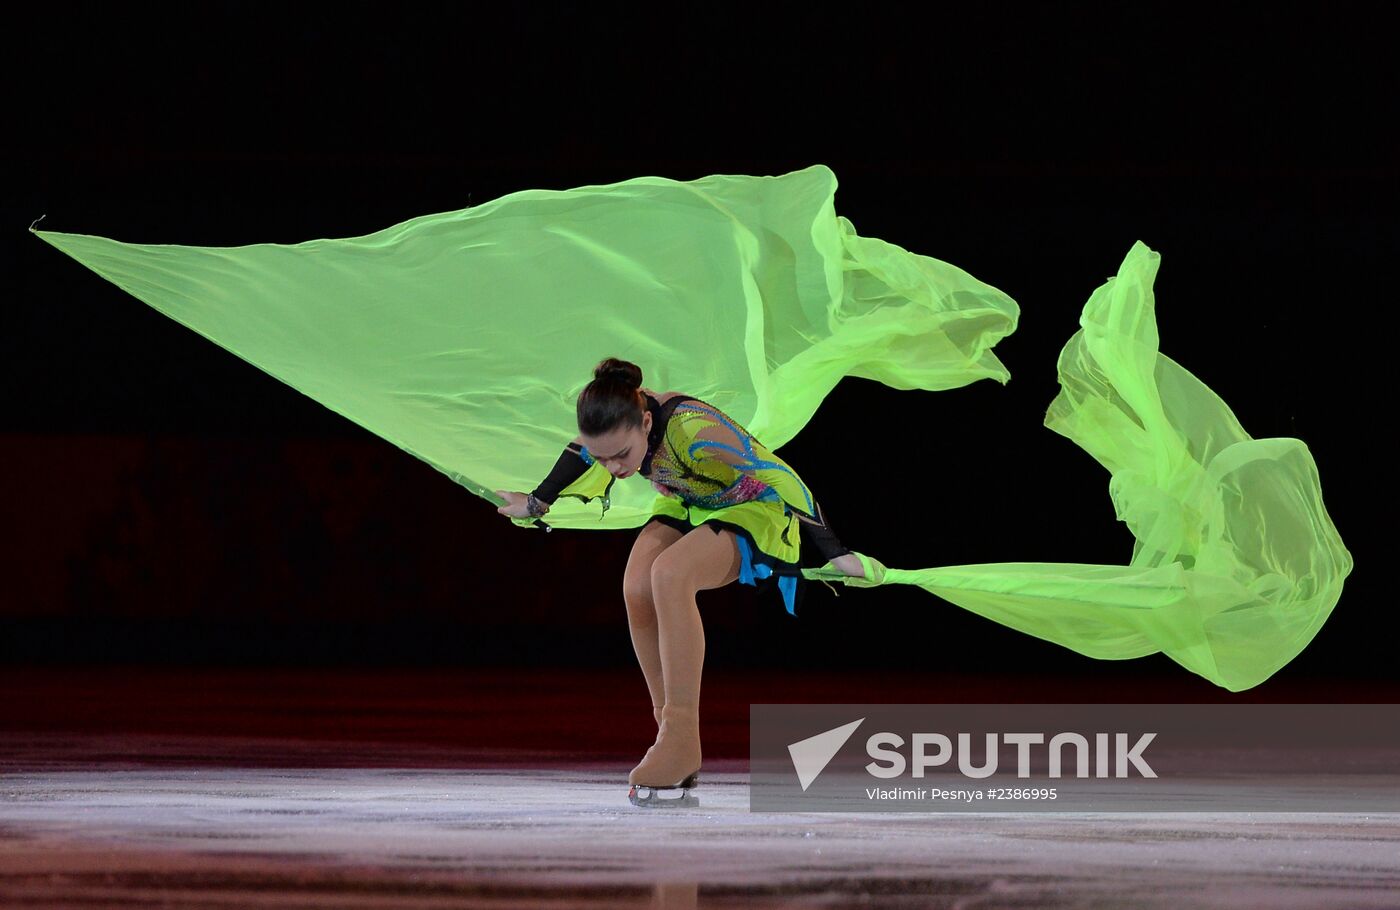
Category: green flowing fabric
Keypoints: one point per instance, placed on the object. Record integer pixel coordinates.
(465, 338)
(1235, 563)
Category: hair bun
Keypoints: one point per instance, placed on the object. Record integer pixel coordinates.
(620, 370)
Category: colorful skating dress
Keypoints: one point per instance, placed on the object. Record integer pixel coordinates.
(707, 469)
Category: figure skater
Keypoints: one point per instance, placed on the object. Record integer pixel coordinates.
(728, 509)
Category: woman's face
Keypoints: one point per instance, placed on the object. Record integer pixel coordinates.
(623, 450)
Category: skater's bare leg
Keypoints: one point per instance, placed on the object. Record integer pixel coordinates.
(699, 561)
(641, 606)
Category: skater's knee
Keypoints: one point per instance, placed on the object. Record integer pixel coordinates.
(651, 544)
(711, 561)
(671, 574)
(637, 594)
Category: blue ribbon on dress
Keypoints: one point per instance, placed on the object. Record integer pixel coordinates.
(748, 572)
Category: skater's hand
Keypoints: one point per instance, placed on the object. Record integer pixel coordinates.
(517, 504)
(850, 564)
(873, 573)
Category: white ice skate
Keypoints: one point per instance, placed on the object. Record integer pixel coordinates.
(648, 798)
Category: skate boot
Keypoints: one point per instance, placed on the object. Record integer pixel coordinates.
(672, 763)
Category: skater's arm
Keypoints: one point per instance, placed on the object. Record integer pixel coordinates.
(571, 465)
(749, 456)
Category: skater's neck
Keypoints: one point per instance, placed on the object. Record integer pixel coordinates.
(658, 431)
(660, 415)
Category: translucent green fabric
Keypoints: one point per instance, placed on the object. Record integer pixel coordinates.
(465, 337)
(1235, 564)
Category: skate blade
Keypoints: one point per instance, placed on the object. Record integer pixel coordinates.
(649, 798)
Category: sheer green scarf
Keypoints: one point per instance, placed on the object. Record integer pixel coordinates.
(465, 338)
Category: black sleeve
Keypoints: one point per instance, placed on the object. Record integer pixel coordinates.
(821, 535)
(571, 466)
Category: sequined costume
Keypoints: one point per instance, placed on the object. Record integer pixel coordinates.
(708, 469)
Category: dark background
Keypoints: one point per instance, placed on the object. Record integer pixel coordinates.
(167, 502)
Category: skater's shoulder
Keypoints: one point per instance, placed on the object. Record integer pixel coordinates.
(668, 403)
(695, 410)
(663, 397)
(704, 421)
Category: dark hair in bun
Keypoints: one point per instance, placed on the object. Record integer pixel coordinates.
(613, 399)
